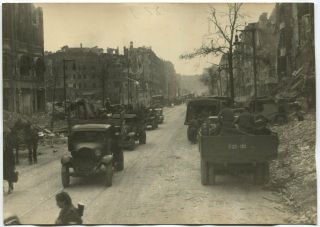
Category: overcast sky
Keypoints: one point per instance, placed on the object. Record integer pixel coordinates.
(170, 29)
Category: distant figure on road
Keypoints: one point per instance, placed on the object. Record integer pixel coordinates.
(68, 214)
(9, 173)
(107, 105)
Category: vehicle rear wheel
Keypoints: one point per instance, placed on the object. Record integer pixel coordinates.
(280, 120)
(261, 175)
(65, 177)
(143, 137)
(108, 175)
(212, 175)
(204, 173)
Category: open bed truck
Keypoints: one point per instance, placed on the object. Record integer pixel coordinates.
(247, 153)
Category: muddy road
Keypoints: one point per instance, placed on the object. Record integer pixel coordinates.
(160, 184)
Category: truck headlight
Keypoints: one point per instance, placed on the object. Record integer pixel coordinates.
(97, 152)
(131, 134)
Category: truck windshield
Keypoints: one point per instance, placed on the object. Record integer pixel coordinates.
(89, 136)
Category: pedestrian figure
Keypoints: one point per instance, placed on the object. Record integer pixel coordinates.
(68, 214)
(23, 132)
(9, 173)
(107, 105)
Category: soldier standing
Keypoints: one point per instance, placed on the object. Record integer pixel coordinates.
(246, 121)
(68, 214)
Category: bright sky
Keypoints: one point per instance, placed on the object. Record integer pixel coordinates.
(170, 29)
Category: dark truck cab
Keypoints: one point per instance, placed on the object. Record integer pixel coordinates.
(159, 113)
(198, 110)
(93, 149)
(130, 129)
(219, 154)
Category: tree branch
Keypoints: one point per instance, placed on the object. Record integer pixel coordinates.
(204, 51)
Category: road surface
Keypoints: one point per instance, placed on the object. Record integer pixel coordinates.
(159, 185)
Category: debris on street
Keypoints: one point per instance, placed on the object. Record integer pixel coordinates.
(293, 174)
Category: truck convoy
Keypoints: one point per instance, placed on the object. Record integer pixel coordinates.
(234, 151)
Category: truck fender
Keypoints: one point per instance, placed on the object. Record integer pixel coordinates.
(107, 159)
(66, 159)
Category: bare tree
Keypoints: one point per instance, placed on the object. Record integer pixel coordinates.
(225, 24)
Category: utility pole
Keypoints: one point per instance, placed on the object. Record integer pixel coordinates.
(219, 71)
(254, 64)
(53, 100)
(128, 86)
(64, 86)
(253, 32)
(65, 90)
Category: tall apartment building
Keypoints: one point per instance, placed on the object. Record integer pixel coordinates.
(23, 58)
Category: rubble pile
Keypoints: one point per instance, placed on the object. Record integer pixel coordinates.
(293, 174)
(42, 122)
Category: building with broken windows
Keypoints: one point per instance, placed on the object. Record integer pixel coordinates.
(23, 58)
(285, 58)
(265, 56)
(128, 78)
(76, 69)
(296, 56)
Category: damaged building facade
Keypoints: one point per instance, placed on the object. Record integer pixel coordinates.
(296, 56)
(128, 78)
(285, 58)
(23, 58)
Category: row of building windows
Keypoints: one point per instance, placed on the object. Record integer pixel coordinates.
(79, 67)
(79, 85)
(79, 76)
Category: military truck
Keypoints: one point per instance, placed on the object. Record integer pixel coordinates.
(151, 119)
(274, 110)
(93, 149)
(131, 129)
(221, 154)
(198, 110)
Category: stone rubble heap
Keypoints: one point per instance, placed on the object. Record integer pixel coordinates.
(293, 174)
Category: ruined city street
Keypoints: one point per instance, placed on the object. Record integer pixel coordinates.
(160, 184)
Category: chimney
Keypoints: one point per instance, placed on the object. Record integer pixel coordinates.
(125, 51)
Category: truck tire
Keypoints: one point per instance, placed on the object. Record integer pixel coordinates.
(280, 119)
(132, 146)
(65, 177)
(261, 174)
(142, 137)
(212, 175)
(108, 175)
(154, 125)
(189, 134)
(204, 173)
(120, 161)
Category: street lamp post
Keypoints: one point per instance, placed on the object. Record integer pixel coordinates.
(65, 89)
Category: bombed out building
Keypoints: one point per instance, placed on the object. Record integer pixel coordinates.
(23, 58)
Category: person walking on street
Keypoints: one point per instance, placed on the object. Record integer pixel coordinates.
(68, 214)
(9, 173)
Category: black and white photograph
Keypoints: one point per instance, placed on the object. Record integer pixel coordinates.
(159, 113)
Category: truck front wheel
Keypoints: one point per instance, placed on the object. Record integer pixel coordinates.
(108, 175)
(204, 172)
(65, 177)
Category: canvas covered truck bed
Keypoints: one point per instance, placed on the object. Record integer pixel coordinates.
(221, 152)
